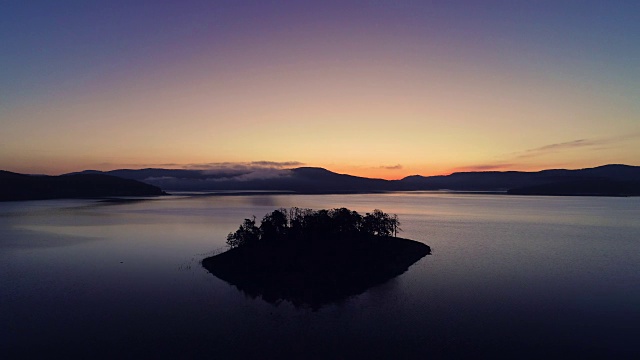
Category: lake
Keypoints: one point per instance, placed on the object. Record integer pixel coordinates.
(509, 275)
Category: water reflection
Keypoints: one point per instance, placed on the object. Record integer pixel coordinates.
(25, 238)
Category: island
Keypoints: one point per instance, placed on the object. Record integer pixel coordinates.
(312, 258)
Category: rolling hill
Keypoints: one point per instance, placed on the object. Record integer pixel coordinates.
(14, 186)
(617, 179)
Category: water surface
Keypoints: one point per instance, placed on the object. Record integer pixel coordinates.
(521, 276)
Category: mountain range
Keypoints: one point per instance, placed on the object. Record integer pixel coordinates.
(15, 186)
(608, 180)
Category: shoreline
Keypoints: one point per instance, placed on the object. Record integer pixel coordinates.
(315, 273)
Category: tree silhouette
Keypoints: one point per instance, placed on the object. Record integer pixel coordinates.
(346, 221)
(308, 225)
(395, 225)
(246, 234)
(274, 225)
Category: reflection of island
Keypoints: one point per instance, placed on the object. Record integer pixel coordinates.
(312, 258)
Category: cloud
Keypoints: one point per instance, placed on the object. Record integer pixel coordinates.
(485, 167)
(137, 166)
(244, 171)
(525, 159)
(276, 164)
(221, 171)
(574, 144)
(214, 167)
(261, 174)
(241, 166)
(390, 167)
(587, 144)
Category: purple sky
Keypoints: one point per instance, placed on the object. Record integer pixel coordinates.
(380, 88)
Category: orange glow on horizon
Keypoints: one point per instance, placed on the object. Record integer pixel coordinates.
(381, 100)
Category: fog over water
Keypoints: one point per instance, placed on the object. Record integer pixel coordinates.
(522, 276)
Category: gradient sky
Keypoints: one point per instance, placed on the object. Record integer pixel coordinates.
(378, 88)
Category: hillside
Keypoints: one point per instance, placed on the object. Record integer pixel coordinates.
(15, 186)
(319, 180)
(505, 180)
(300, 180)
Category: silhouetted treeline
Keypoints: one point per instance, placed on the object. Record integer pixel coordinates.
(306, 225)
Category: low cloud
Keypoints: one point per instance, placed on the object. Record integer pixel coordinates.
(261, 174)
(277, 164)
(222, 171)
(391, 167)
(242, 166)
(109, 165)
(244, 171)
(486, 167)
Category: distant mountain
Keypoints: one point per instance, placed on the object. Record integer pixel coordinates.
(319, 180)
(505, 180)
(15, 186)
(468, 181)
(311, 179)
(301, 180)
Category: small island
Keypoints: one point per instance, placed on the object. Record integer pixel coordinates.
(313, 258)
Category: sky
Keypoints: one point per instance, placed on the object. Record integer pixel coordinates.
(376, 88)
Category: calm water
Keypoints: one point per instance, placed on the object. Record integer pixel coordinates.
(521, 276)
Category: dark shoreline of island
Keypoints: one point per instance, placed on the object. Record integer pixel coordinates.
(319, 275)
(312, 258)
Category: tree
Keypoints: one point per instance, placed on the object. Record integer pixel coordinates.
(317, 224)
(298, 221)
(310, 225)
(345, 221)
(380, 224)
(375, 224)
(274, 225)
(246, 234)
(395, 225)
